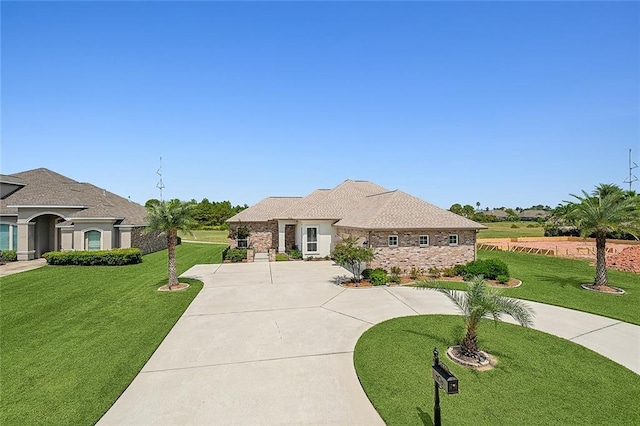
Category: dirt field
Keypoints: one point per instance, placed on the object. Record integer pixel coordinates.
(629, 260)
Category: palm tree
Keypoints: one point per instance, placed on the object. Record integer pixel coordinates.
(169, 217)
(605, 211)
(481, 301)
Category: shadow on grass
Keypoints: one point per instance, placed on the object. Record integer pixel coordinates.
(563, 282)
(452, 339)
(425, 417)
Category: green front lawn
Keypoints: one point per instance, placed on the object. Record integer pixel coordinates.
(206, 236)
(539, 379)
(73, 338)
(505, 230)
(556, 281)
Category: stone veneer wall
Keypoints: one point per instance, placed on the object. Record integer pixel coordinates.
(410, 255)
(262, 235)
(148, 243)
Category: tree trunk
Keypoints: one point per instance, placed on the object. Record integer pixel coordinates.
(172, 240)
(601, 261)
(469, 344)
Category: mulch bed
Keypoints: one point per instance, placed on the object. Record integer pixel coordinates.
(176, 287)
(407, 281)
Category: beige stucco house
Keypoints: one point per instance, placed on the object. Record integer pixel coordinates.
(403, 230)
(42, 211)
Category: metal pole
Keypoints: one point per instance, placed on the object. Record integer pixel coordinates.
(436, 392)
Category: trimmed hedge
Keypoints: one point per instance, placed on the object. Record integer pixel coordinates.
(115, 257)
(488, 268)
(8, 256)
(235, 254)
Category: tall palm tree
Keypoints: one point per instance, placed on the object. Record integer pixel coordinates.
(169, 217)
(482, 301)
(605, 211)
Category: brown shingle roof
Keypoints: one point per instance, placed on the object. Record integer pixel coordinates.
(399, 210)
(43, 187)
(340, 200)
(358, 204)
(265, 210)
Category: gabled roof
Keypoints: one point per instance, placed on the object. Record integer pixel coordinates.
(43, 187)
(265, 210)
(534, 213)
(399, 210)
(358, 204)
(338, 201)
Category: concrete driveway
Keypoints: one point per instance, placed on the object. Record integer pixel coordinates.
(272, 344)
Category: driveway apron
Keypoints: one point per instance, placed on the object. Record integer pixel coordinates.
(272, 344)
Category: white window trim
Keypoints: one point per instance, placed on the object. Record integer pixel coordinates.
(420, 238)
(457, 239)
(307, 242)
(389, 241)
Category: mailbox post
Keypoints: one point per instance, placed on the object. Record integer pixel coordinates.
(442, 379)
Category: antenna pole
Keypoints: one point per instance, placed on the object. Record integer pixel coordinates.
(632, 178)
(160, 185)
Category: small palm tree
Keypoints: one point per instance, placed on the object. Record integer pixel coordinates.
(482, 301)
(607, 210)
(169, 217)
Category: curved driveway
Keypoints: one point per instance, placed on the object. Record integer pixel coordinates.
(272, 344)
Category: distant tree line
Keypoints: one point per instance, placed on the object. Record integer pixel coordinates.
(485, 216)
(207, 214)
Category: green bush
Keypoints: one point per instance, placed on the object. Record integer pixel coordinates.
(458, 270)
(366, 273)
(378, 277)
(281, 257)
(488, 268)
(115, 257)
(295, 254)
(8, 256)
(434, 272)
(235, 255)
(395, 278)
(448, 272)
(502, 279)
(513, 225)
(416, 273)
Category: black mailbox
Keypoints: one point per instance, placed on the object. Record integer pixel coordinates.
(445, 379)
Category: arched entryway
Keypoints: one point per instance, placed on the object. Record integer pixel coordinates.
(46, 237)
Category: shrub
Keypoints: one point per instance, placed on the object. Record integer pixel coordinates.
(311, 258)
(366, 273)
(8, 256)
(434, 272)
(394, 278)
(236, 255)
(378, 277)
(513, 225)
(295, 254)
(395, 270)
(350, 254)
(458, 270)
(115, 257)
(448, 272)
(281, 257)
(416, 273)
(532, 225)
(502, 279)
(488, 268)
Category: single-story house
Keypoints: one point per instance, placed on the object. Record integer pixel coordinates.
(42, 211)
(403, 230)
(534, 214)
(499, 214)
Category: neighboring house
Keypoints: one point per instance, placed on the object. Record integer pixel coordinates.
(403, 230)
(43, 211)
(533, 214)
(499, 214)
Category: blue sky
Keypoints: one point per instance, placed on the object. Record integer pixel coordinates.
(505, 103)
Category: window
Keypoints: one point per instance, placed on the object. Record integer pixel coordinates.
(393, 241)
(453, 239)
(4, 237)
(8, 237)
(243, 243)
(92, 240)
(312, 239)
(424, 240)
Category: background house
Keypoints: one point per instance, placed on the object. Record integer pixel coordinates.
(403, 230)
(42, 211)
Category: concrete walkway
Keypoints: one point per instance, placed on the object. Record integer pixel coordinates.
(11, 268)
(272, 344)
